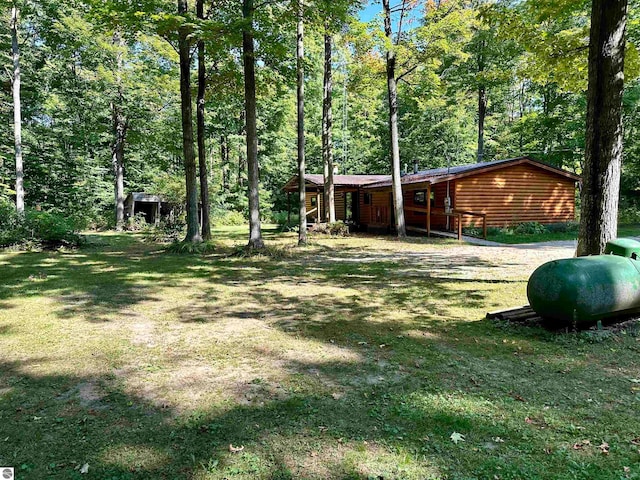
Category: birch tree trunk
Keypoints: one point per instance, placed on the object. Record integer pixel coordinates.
(193, 226)
(226, 168)
(119, 122)
(17, 110)
(603, 153)
(327, 124)
(202, 155)
(398, 204)
(302, 227)
(248, 58)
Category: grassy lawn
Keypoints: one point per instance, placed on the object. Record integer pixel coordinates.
(623, 231)
(353, 358)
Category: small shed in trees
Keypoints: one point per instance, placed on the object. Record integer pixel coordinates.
(147, 204)
(497, 194)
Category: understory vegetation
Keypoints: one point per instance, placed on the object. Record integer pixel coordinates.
(35, 229)
(359, 358)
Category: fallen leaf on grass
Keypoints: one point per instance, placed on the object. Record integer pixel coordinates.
(84, 469)
(233, 449)
(580, 445)
(456, 437)
(517, 397)
(604, 448)
(635, 441)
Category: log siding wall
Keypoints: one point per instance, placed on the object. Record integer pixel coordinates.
(522, 193)
(340, 202)
(378, 212)
(508, 196)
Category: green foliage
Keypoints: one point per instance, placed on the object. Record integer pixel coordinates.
(167, 230)
(629, 214)
(229, 218)
(11, 231)
(534, 232)
(567, 227)
(51, 229)
(529, 228)
(36, 229)
(137, 223)
(282, 219)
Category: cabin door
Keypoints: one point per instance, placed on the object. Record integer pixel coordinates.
(355, 207)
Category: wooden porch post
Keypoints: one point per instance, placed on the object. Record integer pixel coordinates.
(459, 217)
(157, 219)
(288, 208)
(318, 216)
(428, 210)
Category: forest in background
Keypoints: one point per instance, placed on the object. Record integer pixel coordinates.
(528, 59)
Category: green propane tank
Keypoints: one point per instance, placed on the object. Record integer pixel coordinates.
(588, 289)
(624, 247)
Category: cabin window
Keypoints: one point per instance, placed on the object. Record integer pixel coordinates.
(367, 199)
(314, 201)
(420, 197)
(433, 198)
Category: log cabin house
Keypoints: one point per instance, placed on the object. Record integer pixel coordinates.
(490, 194)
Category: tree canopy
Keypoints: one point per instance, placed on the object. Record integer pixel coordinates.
(477, 79)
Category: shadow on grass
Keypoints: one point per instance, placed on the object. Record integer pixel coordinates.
(96, 283)
(413, 380)
(371, 430)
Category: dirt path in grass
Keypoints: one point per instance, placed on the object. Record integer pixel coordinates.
(504, 262)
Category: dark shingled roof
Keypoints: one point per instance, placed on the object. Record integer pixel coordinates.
(348, 180)
(144, 197)
(338, 180)
(436, 175)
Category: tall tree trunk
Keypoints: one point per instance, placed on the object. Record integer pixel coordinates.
(224, 157)
(482, 113)
(398, 204)
(202, 156)
(242, 167)
(327, 123)
(302, 226)
(482, 104)
(193, 227)
(17, 110)
(119, 122)
(603, 152)
(249, 64)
